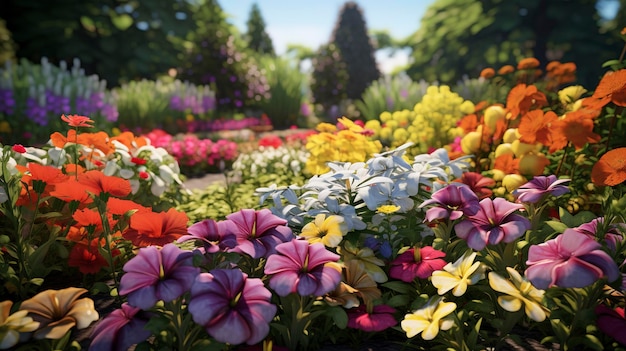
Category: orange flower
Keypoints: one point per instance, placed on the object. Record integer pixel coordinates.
(610, 170)
(522, 98)
(99, 140)
(46, 174)
(507, 69)
(535, 126)
(576, 127)
(612, 88)
(469, 123)
(130, 140)
(507, 164)
(487, 73)
(97, 182)
(72, 190)
(73, 169)
(552, 65)
(91, 217)
(528, 63)
(156, 228)
(78, 121)
(119, 207)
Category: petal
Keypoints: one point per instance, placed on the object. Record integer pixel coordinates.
(444, 281)
(510, 303)
(500, 284)
(534, 311)
(83, 312)
(431, 331)
(413, 325)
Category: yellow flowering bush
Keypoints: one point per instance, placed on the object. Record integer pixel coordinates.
(430, 125)
(344, 142)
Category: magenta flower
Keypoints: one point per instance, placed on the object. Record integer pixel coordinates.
(303, 268)
(612, 236)
(495, 222)
(451, 202)
(535, 190)
(379, 319)
(232, 307)
(208, 232)
(155, 275)
(571, 260)
(612, 322)
(257, 232)
(120, 329)
(420, 263)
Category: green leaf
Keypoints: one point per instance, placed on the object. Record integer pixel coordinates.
(397, 286)
(611, 63)
(559, 227)
(399, 300)
(122, 22)
(339, 316)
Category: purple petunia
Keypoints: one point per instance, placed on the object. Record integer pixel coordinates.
(120, 330)
(535, 190)
(495, 222)
(303, 268)
(155, 275)
(452, 202)
(571, 260)
(257, 232)
(208, 232)
(232, 307)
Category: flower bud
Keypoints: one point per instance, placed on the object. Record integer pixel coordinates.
(492, 115)
(533, 164)
(471, 142)
(513, 181)
(504, 149)
(510, 135)
(521, 149)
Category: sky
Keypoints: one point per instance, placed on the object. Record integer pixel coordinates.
(310, 23)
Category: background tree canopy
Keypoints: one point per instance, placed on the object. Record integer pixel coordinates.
(458, 37)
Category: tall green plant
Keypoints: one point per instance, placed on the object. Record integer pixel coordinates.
(390, 93)
(286, 91)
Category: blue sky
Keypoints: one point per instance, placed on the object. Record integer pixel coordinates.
(311, 23)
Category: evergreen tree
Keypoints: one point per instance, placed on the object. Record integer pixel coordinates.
(7, 46)
(256, 36)
(329, 77)
(215, 59)
(351, 38)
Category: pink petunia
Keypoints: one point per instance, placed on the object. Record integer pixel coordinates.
(495, 222)
(379, 319)
(232, 307)
(571, 260)
(417, 262)
(306, 269)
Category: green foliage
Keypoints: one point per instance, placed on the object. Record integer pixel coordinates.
(390, 93)
(117, 40)
(7, 45)
(213, 57)
(463, 37)
(329, 78)
(286, 93)
(256, 36)
(350, 37)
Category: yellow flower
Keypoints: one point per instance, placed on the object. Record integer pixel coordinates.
(513, 181)
(519, 291)
(365, 258)
(12, 325)
(189, 117)
(58, 311)
(471, 142)
(429, 319)
(570, 94)
(458, 275)
(5, 127)
(327, 230)
(387, 209)
(533, 164)
(326, 128)
(492, 115)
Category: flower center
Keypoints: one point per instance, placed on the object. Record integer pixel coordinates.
(235, 301)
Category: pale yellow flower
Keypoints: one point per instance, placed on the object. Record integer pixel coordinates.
(458, 275)
(58, 311)
(12, 325)
(387, 209)
(365, 258)
(519, 291)
(570, 94)
(429, 319)
(327, 230)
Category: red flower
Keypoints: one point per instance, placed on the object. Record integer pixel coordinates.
(144, 175)
(138, 161)
(87, 257)
(77, 121)
(119, 207)
(98, 182)
(479, 184)
(379, 319)
(156, 228)
(271, 141)
(417, 264)
(19, 148)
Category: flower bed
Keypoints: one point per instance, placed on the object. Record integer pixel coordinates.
(463, 248)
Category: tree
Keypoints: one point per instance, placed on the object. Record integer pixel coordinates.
(460, 37)
(214, 57)
(351, 39)
(118, 40)
(256, 36)
(7, 46)
(329, 77)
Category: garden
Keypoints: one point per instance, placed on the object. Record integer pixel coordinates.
(481, 213)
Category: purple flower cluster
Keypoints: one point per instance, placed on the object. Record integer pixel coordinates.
(7, 101)
(193, 104)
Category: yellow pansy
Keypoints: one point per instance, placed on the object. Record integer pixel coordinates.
(429, 319)
(458, 275)
(519, 291)
(327, 230)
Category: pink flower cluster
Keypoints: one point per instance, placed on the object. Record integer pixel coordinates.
(195, 155)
